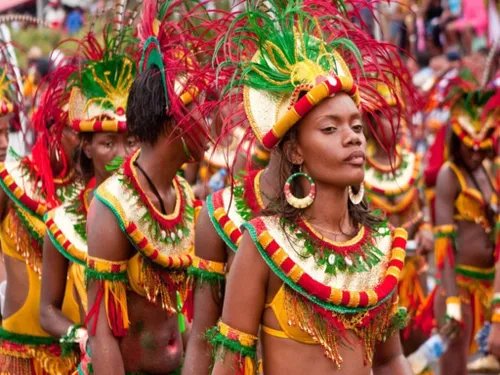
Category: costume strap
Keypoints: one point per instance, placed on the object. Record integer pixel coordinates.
(112, 280)
(244, 345)
(207, 270)
(202, 271)
(459, 174)
(444, 242)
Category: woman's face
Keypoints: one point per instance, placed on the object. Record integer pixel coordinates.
(472, 158)
(105, 147)
(331, 145)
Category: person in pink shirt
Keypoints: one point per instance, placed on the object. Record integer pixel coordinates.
(473, 22)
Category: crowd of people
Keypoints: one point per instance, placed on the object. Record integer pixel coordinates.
(265, 190)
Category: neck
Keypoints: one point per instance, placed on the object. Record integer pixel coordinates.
(330, 209)
(268, 182)
(162, 161)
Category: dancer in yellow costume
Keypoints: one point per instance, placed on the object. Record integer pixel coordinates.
(31, 186)
(466, 209)
(141, 222)
(98, 96)
(393, 185)
(316, 271)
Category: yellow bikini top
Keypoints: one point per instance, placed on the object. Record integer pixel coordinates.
(470, 204)
(287, 331)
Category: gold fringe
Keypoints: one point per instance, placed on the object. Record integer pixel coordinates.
(160, 285)
(302, 314)
(35, 361)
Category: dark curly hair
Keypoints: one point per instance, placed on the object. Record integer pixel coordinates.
(147, 117)
(84, 165)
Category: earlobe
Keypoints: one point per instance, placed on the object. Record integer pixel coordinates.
(293, 153)
(86, 149)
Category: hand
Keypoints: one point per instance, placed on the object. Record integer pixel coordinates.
(425, 241)
(494, 340)
(452, 330)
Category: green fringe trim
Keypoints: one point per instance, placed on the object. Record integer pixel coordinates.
(475, 275)
(26, 339)
(451, 235)
(495, 301)
(68, 341)
(108, 276)
(204, 276)
(326, 305)
(218, 340)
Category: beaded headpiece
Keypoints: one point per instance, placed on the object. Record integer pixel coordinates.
(302, 56)
(99, 90)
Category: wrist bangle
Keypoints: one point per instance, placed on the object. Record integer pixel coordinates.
(425, 226)
(495, 300)
(454, 308)
(495, 317)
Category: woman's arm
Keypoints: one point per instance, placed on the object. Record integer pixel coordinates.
(447, 189)
(389, 358)
(245, 298)
(55, 273)
(105, 241)
(208, 299)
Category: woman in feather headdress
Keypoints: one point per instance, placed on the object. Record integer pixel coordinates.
(316, 270)
(466, 212)
(30, 187)
(141, 222)
(98, 89)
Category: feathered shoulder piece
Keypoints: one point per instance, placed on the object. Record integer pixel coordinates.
(286, 57)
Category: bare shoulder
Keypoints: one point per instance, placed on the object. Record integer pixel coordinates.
(105, 238)
(208, 243)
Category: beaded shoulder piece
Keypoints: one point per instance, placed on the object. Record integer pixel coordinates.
(66, 227)
(229, 211)
(362, 280)
(385, 182)
(29, 207)
(357, 297)
(166, 240)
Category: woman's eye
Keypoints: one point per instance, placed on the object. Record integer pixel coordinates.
(329, 129)
(131, 143)
(109, 144)
(357, 128)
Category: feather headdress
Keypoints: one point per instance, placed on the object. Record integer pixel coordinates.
(100, 87)
(286, 57)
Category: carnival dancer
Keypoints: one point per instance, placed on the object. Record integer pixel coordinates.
(466, 206)
(98, 97)
(319, 273)
(30, 187)
(10, 109)
(141, 222)
(218, 235)
(392, 184)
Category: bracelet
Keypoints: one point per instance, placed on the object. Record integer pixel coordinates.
(454, 308)
(425, 226)
(495, 317)
(73, 336)
(495, 300)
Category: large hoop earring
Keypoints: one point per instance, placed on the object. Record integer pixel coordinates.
(358, 197)
(300, 202)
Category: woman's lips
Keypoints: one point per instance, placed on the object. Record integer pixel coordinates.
(356, 158)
